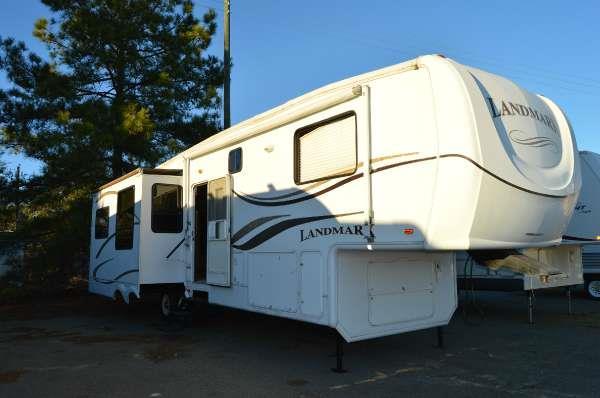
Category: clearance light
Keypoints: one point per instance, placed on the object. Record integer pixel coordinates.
(410, 231)
(597, 237)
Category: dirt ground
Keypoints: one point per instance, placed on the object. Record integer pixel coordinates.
(91, 347)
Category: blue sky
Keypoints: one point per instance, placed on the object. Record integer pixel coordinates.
(282, 49)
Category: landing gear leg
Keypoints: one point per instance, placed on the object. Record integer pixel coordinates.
(440, 336)
(530, 298)
(339, 355)
(569, 300)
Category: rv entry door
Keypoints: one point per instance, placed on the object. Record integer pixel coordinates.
(218, 236)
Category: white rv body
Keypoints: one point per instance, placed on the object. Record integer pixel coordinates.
(352, 200)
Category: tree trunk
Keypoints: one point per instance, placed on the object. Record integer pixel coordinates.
(117, 162)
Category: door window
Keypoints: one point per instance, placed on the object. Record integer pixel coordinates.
(217, 209)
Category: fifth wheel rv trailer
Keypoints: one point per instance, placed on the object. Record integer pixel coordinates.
(345, 207)
(584, 227)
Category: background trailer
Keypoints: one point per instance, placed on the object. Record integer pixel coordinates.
(584, 227)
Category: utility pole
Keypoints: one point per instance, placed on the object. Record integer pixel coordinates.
(227, 60)
(17, 197)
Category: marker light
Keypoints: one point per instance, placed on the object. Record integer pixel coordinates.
(409, 231)
(598, 237)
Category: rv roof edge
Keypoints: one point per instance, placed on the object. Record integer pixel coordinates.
(326, 97)
(163, 172)
(265, 126)
(169, 172)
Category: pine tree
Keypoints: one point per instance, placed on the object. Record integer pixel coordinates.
(127, 83)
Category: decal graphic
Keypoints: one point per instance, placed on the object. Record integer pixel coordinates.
(581, 208)
(335, 230)
(255, 199)
(247, 199)
(497, 177)
(289, 194)
(116, 279)
(175, 248)
(104, 244)
(252, 225)
(507, 108)
(106, 281)
(98, 267)
(112, 236)
(282, 226)
(300, 199)
(522, 138)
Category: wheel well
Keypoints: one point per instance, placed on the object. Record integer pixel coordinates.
(156, 289)
(132, 298)
(118, 296)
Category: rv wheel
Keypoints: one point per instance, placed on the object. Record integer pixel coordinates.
(166, 304)
(592, 287)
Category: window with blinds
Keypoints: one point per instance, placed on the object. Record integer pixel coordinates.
(326, 149)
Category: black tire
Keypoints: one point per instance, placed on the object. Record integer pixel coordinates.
(118, 298)
(171, 301)
(592, 288)
(167, 304)
(133, 300)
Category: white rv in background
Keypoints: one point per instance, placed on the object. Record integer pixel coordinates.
(346, 206)
(584, 227)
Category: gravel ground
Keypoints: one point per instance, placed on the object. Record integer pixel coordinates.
(90, 347)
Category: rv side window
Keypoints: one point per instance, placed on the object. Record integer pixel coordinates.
(101, 224)
(235, 160)
(217, 209)
(326, 149)
(125, 219)
(167, 212)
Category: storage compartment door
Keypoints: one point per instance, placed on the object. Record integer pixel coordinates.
(218, 232)
(273, 281)
(395, 285)
(380, 293)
